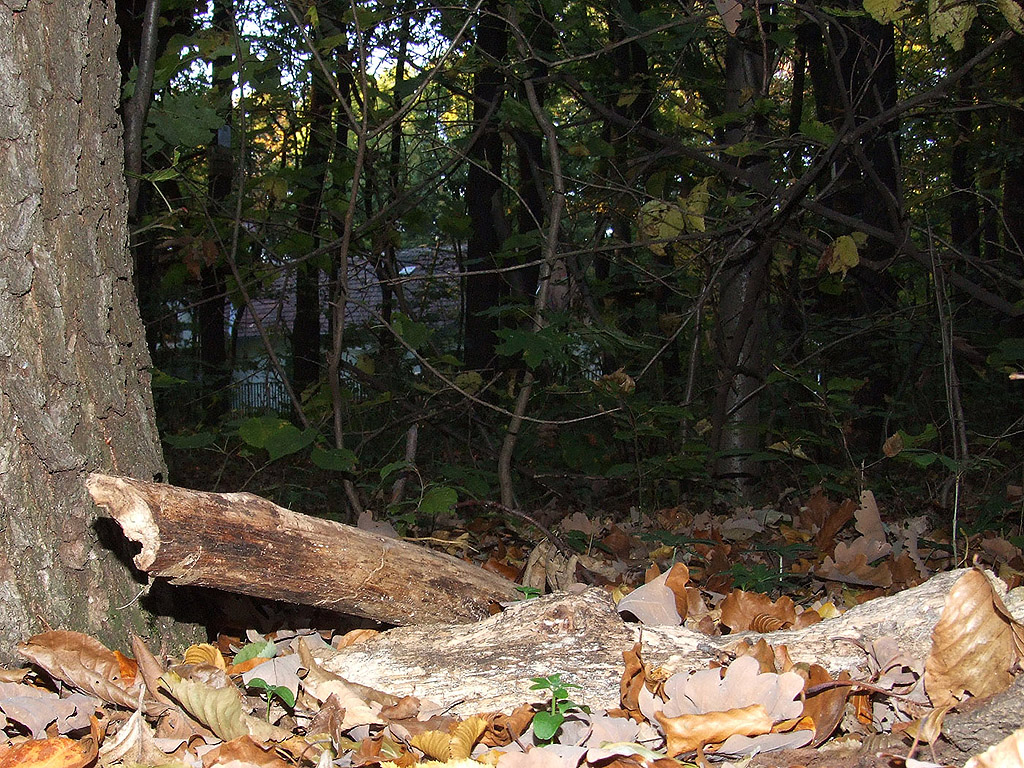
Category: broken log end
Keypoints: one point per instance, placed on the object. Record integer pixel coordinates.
(132, 511)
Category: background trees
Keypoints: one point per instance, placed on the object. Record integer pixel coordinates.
(790, 234)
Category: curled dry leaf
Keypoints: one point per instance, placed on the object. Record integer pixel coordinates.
(688, 733)
(84, 663)
(634, 677)
(204, 653)
(220, 709)
(243, 751)
(654, 603)
(753, 610)
(973, 643)
(503, 729)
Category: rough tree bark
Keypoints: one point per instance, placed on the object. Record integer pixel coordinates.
(74, 370)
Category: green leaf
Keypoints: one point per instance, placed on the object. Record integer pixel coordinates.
(818, 131)
(438, 499)
(413, 333)
(1013, 12)
(661, 221)
(283, 692)
(394, 466)
(744, 148)
(951, 19)
(334, 459)
(260, 649)
(277, 436)
(546, 725)
(886, 11)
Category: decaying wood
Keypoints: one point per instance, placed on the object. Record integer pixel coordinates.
(488, 665)
(242, 543)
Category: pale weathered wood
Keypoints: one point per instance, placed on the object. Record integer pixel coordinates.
(242, 543)
(487, 666)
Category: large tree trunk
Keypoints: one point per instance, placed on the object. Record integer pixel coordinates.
(74, 370)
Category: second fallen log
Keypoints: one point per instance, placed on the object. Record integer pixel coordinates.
(243, 543)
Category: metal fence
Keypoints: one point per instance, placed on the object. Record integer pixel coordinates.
(252, 398)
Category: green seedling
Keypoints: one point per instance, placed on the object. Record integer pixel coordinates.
(547, 722)
(528, 593)
(281, 691)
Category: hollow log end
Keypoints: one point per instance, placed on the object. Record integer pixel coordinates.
(132, 510)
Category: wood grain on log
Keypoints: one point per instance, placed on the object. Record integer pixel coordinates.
(242, 543)
(487, 666)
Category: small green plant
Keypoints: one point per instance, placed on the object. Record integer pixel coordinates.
(528, 593)
(547, 722)
(282, 692)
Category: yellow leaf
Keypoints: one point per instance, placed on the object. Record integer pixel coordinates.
(886, 11)
(951, 19)
(695, 206)
(661, 221)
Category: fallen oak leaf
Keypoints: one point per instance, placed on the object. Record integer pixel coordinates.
(688, 733)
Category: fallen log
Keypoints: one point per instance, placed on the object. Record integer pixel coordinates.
(488, 666)
(242, 543)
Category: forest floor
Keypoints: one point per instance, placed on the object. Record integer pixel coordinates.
(260, 698)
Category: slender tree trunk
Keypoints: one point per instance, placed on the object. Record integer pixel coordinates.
(484, 200)
(74, 371)
(306, 353)
(213, 337)
(743, 301)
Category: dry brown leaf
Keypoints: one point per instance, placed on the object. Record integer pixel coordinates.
(465, 736)
(972, 643)
(246, 751)
(355, 637)
(761, 651)
(743, 610)
(1008, 753)
(84, 663)
(59, 752)
(633, 679)
(825, 707)
(677, 579)
(852, 564)
(502, 728)
(688, 733)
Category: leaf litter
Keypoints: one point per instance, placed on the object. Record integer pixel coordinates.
(268, 701)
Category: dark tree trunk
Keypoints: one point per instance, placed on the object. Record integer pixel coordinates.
(855, 82)
(74, 375)
(484, 199)
(306, 357)
(213, 338)
(742, 295)
(1013, 173)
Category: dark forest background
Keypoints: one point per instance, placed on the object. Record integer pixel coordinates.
(603, 254)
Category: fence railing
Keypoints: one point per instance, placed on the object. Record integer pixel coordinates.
(252, 398)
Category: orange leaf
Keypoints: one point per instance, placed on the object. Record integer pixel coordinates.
(687, 733)
(58, 752)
